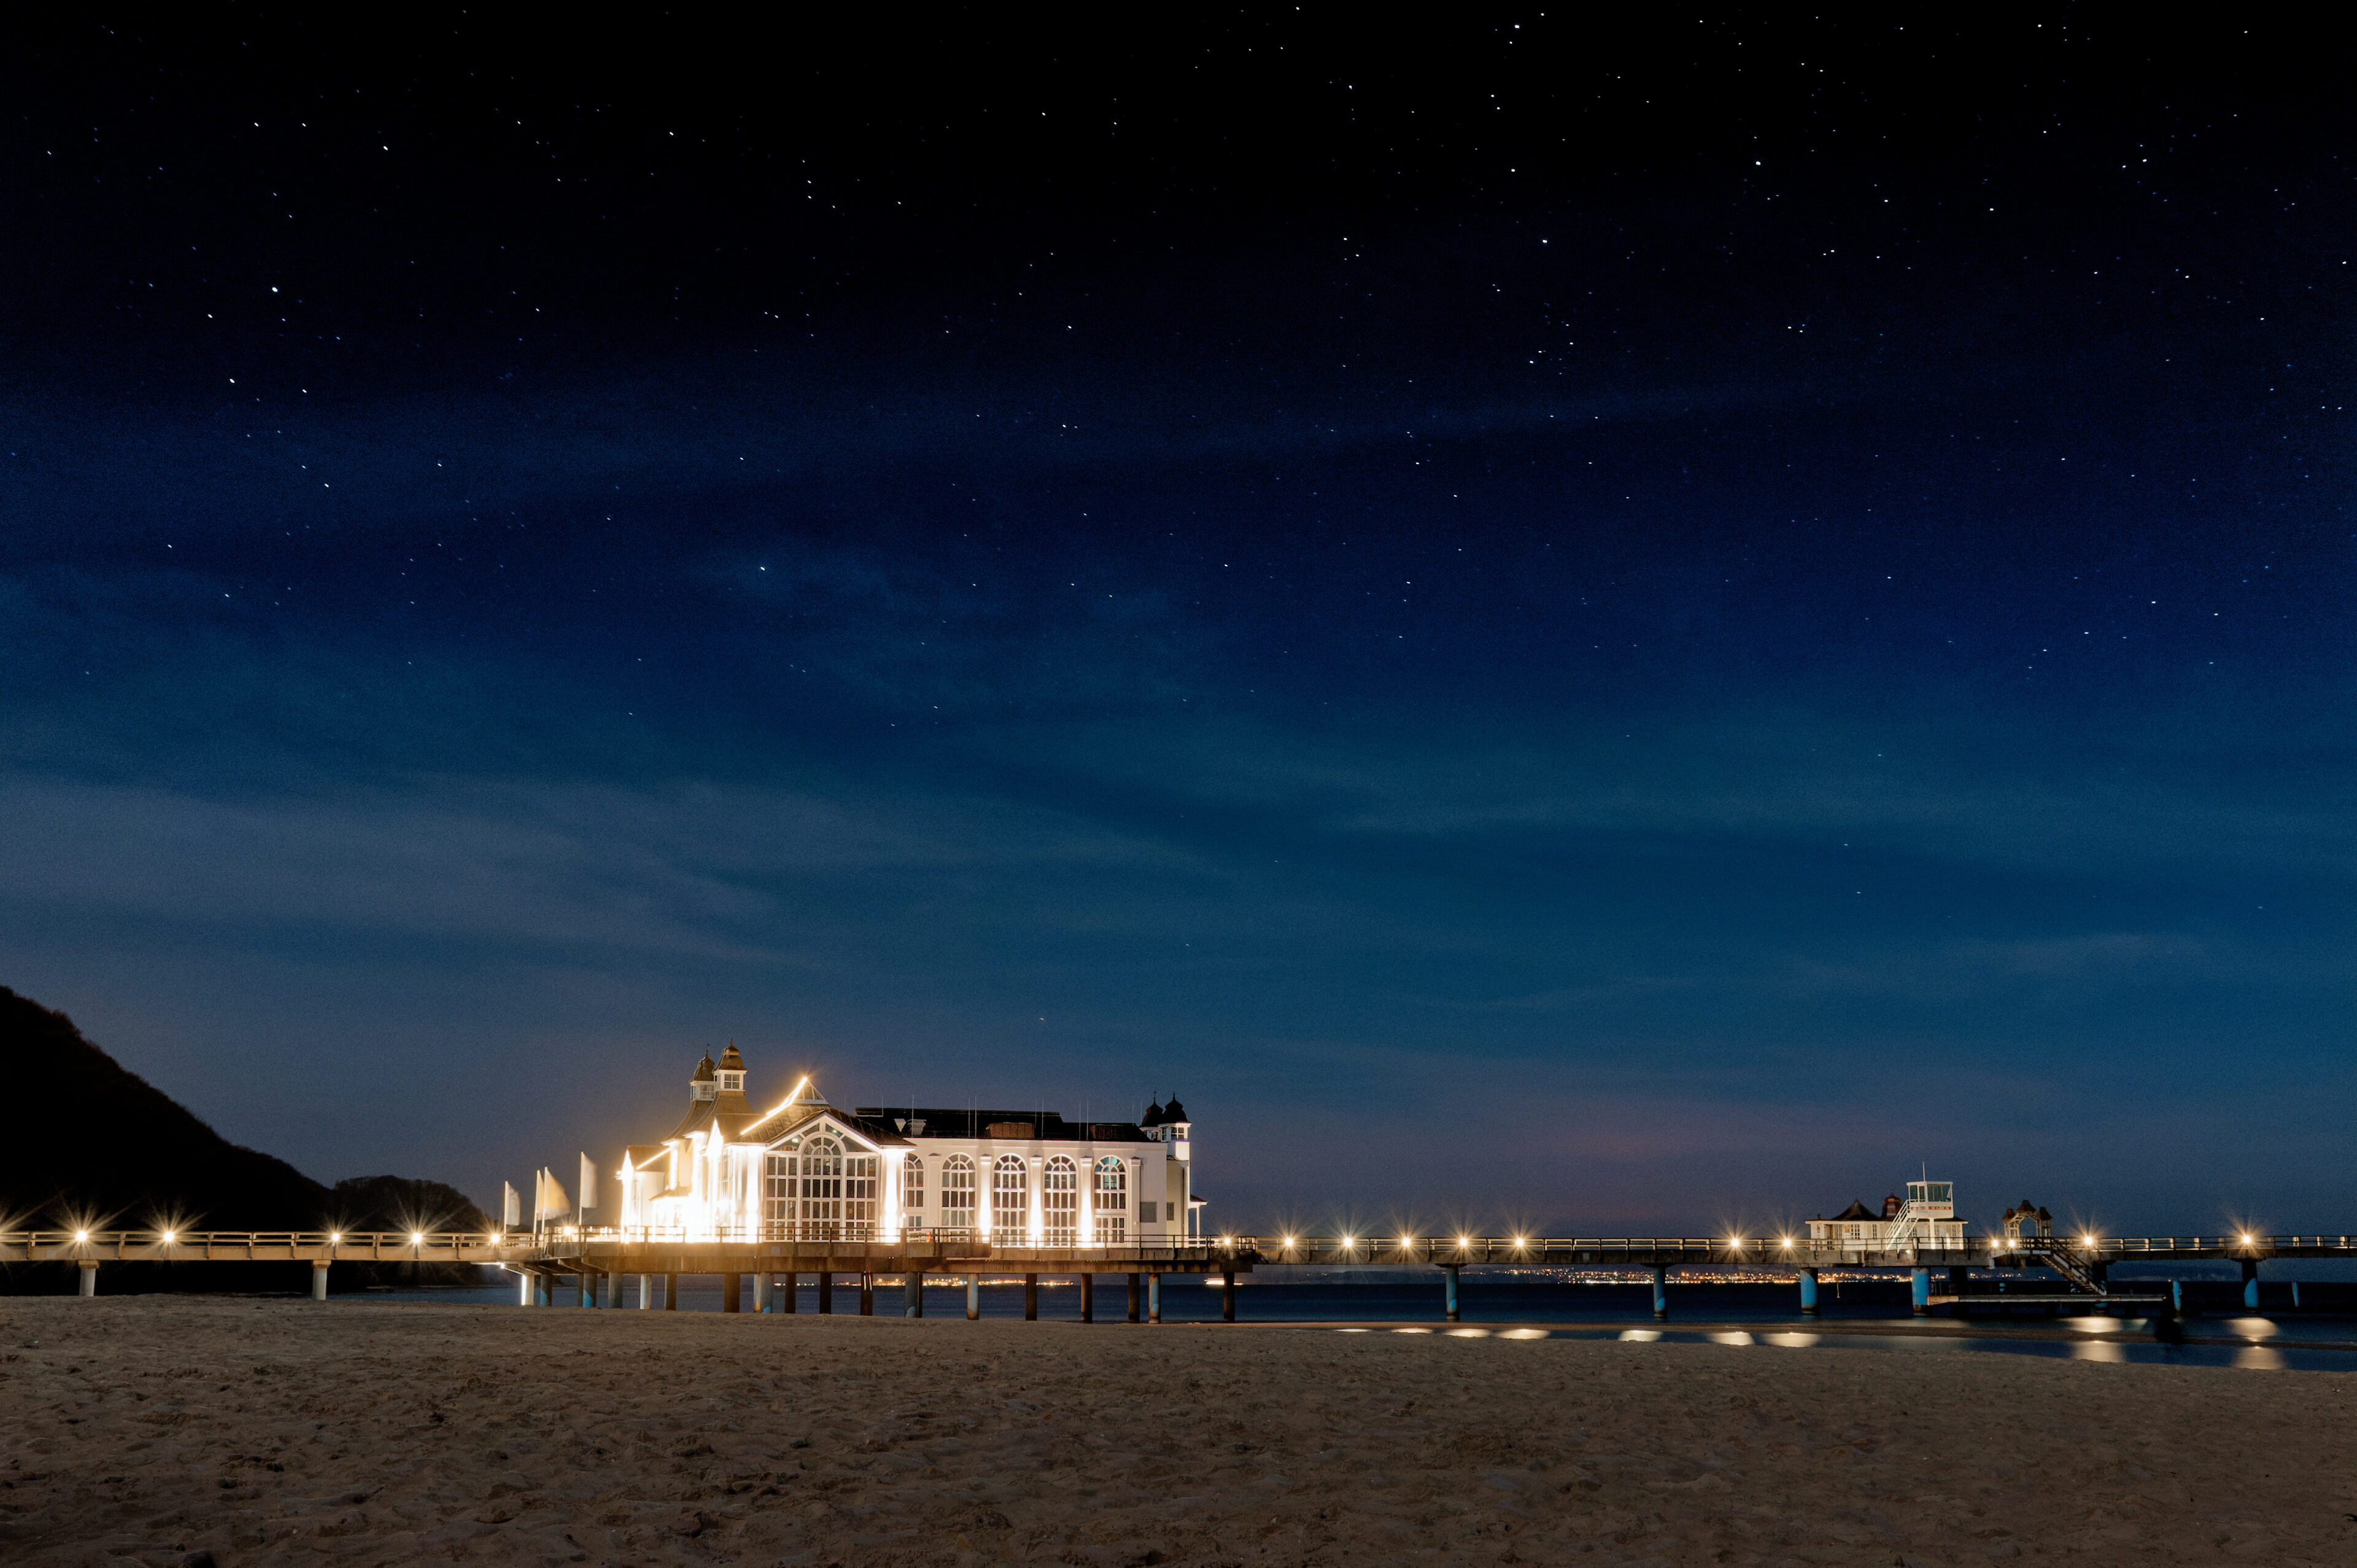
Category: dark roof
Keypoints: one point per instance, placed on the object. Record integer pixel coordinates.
(730, 1061)
(1857, 1211)
(703, 1069)
(963, 1122)
(1153, 1117)
(1174, 1111)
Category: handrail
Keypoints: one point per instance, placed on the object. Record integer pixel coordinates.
(1765, 1249)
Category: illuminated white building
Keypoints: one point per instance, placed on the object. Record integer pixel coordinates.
(1925, 1218)
(805, 1170)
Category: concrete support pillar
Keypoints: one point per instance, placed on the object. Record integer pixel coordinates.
(1088, 1298)
(1808, 1292)
(792, 1291)
(1661, 1296)
(646, 1292)
(866, 1294)
(89, 1277)
(1227, 1296)
(2176, 1296)
(523, 1290)
(319, 1280)
(2250, 1283)
(732, 1285)
(827, 1291)
(586, 1288)
(761, 1291)
(1030, 1298)
(1448, 1289)
(1922, 1295)
(973, 1297)
(671, 1292)
(1153, 1298)
(1133, 1297)
(2295, 1293)
(912, 1294)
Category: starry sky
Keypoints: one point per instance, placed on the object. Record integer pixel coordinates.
(1616, 627)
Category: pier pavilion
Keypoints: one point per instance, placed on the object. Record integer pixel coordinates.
(805, 1170)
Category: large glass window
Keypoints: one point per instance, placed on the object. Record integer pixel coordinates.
(1111, 1201)
(957, 1190)
(912, 1193)
(1010, 1201)
(1059, 1202)
(815, 1190)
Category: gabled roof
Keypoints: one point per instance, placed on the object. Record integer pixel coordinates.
(800, 1121)
(1857, 1210)
(962, 1121)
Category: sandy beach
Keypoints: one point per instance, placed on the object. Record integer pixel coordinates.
(280, 1432)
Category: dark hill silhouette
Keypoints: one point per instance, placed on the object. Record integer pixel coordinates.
(96, 1145)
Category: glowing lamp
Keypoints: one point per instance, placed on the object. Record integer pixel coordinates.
(417, 1238)
(335, 1238)
(168, 1238)
(1407, 1241)
(81, 1235)
(2090, 1241)
(2246, 1240)
(1348, 1241)
(1465, 1240)
(1288, 1241)
(1518, 1241)
(1788, 1240)
(1735, 1243)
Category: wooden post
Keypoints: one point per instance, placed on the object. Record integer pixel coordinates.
(866, 1294)
(793, 1290)
(1227, 1296)
(318, 1279)
(732, 1285)
(1133, 1298)
(1088, 1298)
(973, 1297)
(1030, 1297)
(671, 1292)
(826, 1290)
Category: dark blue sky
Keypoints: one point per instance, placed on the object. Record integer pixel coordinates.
(1615, 632)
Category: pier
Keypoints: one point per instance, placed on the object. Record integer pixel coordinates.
(595, 1258)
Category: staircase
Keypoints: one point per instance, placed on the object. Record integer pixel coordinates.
(2067, 1264)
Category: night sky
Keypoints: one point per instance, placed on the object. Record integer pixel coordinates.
(1614, 630)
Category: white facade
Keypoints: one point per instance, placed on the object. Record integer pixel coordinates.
(807, 1170)
(1925, 1220)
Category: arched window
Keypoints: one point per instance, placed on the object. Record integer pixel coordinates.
(813, 1189)
(1111, 1199)
(822, 1185)
(957, 1191)
(1060, 1202)
(912, 1194)
(1010, 1201)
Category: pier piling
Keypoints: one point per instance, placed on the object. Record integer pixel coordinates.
(1922, 1293)
(973, 1297)
(912, 1294)
(1448, 1289)
(1153, 1298)
(1808, 1292)
(866, 1294)
(1661, 1296)
(1227, 1296)
(827, 1291)
(671, 1292)
(791, 1291)
(1030, 1298)
(1088, 1297)
(319, 1282)
(761, 1291)
(732, 1285)
(523, 1290)
(646, 1292)
(2250, 1283)
(89, 1277)
(1133, 1298)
